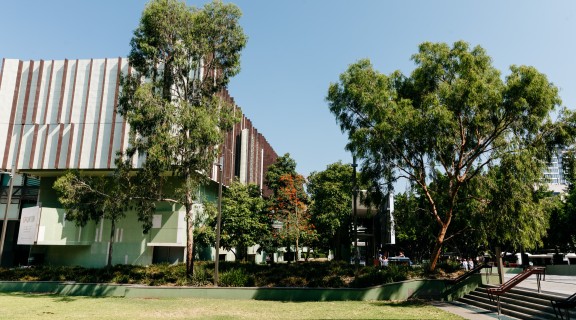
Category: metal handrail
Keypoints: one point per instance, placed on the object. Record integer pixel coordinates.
(567, 304)
(466, 275)
(503, 288)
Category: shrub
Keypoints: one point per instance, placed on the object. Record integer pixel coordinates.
(373, 276)
(449, 266)
(121, 278)
(293, 281)
(202, 276)
(235, 278)
(329, 274)
(333, 282)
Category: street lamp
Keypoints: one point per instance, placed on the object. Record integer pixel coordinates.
(354, 211)
(220, 164)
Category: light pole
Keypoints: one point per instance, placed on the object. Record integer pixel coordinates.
(220, 164)
(354, 212)
(5, 221)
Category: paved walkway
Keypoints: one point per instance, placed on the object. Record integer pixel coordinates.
(467, 311)
(554, 284)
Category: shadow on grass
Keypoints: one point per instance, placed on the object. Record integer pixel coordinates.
(66, 299)
(400, 304)
(55, 296)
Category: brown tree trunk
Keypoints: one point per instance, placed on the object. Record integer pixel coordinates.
(499, 256)
(296, 256)
(110, 244)
(189, 234)
(438, 247)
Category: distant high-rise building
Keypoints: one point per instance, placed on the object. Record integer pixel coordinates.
(554, 173)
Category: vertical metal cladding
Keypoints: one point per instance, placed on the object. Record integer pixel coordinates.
(260, 152)
(9, 147)
(114, 113)
(22, 122)
(84, 115)
(2, 71)
(62, 114)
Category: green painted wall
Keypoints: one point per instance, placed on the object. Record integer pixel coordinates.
(62, 242)
(422, 289)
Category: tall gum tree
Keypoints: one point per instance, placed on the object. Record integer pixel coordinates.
(182, 58)
(451, 118)
(331, 195)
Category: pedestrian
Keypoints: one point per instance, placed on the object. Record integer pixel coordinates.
(470, 264)
(464, 264)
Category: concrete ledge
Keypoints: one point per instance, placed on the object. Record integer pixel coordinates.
(421, 289)
(64, 288)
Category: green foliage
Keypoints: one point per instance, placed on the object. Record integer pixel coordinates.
(235, 278)
(244, 220)
(450, 266)
(445, 124)
(283, 165)
(202, 275)
(332, 274)
(331, 194)
(372, 276)
(91, 198)
(287, 206)
(204, 222)
(95, 198)
(561, 234)
(414, 226)
(183, 57)
(517, 215)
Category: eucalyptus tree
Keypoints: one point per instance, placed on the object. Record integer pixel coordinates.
(519, 206)
(452, 117)
(95, 198)
(331, 197)
(181, 59)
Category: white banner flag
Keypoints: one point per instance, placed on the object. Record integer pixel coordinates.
(29, 222)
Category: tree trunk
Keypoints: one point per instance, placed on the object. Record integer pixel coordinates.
(112, 232)
(296, 256)
(189, 234)
(241, 252)
(500, 264)
(438, 247)
(337, 249)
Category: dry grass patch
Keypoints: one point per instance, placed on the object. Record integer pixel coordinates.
(47, 307)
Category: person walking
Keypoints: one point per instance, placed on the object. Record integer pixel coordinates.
(470, 264)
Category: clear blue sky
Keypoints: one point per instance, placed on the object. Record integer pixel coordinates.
(297, 48)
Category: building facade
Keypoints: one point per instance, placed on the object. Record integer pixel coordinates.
(554, 173)
(62, 114)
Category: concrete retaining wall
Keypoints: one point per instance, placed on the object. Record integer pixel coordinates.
(421, 289)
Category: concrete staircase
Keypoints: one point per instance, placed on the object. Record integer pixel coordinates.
(517, 303)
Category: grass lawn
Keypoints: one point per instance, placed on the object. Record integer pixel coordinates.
(35, 306)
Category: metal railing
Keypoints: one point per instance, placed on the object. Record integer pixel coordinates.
(495, 293)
